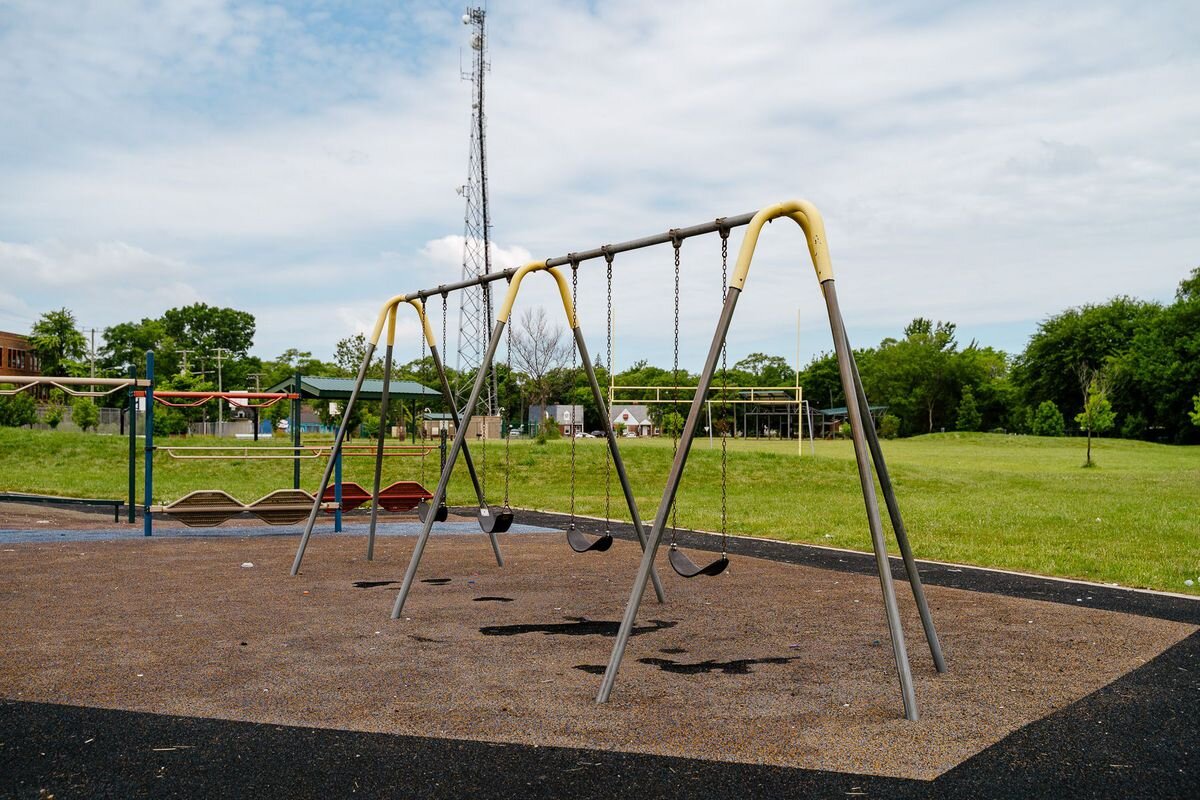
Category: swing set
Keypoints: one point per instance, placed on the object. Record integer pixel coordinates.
(867, 449)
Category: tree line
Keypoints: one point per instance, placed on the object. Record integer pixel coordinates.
(1127, 366)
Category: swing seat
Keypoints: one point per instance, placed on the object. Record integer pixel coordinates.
(686, 568)
(582, 543)
(403, 496)
(493, 520)
(439, 514)
(353, 496)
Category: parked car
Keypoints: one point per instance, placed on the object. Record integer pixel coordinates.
(597, 434)
(582, 435)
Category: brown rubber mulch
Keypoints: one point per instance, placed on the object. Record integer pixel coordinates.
(768, 663)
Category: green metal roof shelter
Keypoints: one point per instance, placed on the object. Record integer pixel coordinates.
(313, 388)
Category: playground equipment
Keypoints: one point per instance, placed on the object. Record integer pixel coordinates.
(99, 387)
(866, 446)
(494, 520)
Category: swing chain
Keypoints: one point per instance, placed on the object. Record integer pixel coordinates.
(676, 242)
(724, 389)
(507, 439)
(608, 366)
(574, 352)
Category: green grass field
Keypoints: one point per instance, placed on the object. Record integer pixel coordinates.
(1013, 502)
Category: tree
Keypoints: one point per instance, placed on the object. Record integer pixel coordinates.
(968, 414)
(84, 413)
(350, 352)
(126, 344)
(57, 342)
(1195, 412)
(915, 375)
(1097, 415)
(889, 426)
(538, 350)
(767, 370)
(1047, 420)
(205, 328)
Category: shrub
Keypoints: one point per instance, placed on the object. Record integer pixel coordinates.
(84, 413)
(969, 417)
(17, 410)
(889, 426)
(844, 430)
(1048, 420)
(548, 430)
(54, 415)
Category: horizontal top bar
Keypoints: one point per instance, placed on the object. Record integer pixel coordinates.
(167, 393)
(721, 223)
(30, 380)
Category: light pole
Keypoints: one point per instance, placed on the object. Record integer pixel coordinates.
(221, 353)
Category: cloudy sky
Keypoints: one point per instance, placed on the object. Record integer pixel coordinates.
(985, 163)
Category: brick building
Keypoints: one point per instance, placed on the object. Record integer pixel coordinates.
(16, 356)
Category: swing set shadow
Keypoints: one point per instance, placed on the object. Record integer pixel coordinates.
(867, 450)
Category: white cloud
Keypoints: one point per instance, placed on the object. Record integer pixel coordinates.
(989, 163)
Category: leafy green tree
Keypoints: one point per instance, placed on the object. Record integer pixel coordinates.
(57, 342)
(1194, 414)
(822, 383)
(84, 413)
(765, 370)
(1099, 337)
(914, 375)
(1048, 420)
(349, 354)
(126, 344)
(54, 416)
(205, 328)
(17, 410)
(1097, 415)
(969, 417)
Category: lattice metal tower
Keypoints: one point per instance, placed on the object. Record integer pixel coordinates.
(475, 317)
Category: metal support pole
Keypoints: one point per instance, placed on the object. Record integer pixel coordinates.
(668, 497)
(383, 412)
(862, 457)
(448, 396)
(611, 436)
(333, 458)
(893, 506)
(132, 446)
(256, 424)
(460, 435)
(337, 491)
(148, 494)
(294, 430)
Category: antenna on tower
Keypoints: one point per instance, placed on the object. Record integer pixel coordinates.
(475, 309)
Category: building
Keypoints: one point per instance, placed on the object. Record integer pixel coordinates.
(479, 426)
(16, 356)
(633, 419)
(569, 418)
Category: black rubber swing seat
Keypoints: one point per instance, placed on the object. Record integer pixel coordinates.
(582, 543)
(439, 515)
(686, 568)
(492, 520)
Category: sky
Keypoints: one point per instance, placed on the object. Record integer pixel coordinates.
(989, 164)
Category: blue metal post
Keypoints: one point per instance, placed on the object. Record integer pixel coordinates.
(148, 495)
(337, 492)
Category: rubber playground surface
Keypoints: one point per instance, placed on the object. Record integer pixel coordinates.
(166, 667)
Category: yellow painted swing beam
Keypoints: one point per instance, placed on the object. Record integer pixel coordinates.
(802, 212)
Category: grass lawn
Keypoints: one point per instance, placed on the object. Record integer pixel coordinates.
(1014, 502)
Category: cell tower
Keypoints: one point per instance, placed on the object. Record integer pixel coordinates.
(475, 311)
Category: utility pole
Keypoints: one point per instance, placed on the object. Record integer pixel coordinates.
(257, 377)
(183, 369)
(221, 353)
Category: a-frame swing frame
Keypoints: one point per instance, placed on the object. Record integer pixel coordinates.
(389, 312)
(866, 450)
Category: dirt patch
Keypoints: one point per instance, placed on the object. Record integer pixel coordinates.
(768, 663)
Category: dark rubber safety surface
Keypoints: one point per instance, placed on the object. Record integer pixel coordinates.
(1136, 737)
